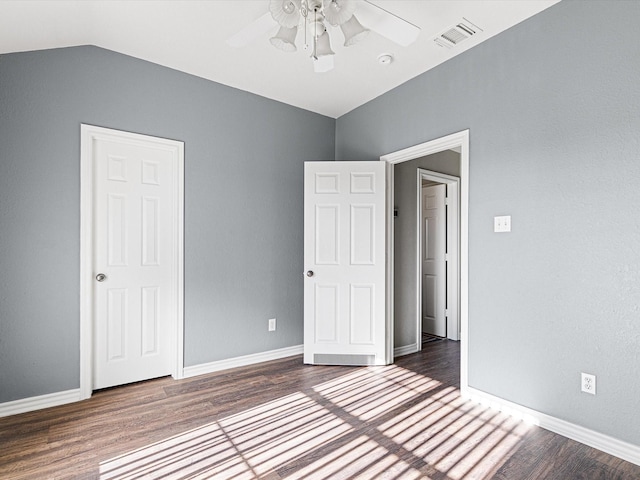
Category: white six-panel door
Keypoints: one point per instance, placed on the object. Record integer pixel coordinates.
(434, 290)
(135, 264)
(344, 259)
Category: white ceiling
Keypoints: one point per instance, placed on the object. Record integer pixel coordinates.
(190, 36)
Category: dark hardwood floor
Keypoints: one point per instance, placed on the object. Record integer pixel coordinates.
(284, 419)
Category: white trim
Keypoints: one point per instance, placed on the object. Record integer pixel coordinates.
(453, 265)
(419, 263)
(390, 331)
(450, 142)
(37, 403)
(179, 266)
(406, 349)
(605, 443)
(62, 398)
(453, 245)
(88, 134)
(204, 368)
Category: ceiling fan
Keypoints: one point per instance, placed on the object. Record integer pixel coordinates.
(312, 17)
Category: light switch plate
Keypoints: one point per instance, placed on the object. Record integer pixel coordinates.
(502, 224)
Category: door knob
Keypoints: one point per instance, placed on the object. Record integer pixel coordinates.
(101, 277)
(309, 273)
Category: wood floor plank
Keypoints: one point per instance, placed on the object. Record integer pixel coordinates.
(283, 419)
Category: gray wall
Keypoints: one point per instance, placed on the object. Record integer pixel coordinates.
(553, 108)
(243, 206)
(405, 237)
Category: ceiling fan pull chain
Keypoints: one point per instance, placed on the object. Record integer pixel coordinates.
(304, 11)
(315, 34)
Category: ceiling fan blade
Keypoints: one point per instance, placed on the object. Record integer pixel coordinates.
(323, 64)
(252, 31)
(387, 24)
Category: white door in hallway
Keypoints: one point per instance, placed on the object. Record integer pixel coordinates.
(434, 290)
(344, 261)
(135, 237)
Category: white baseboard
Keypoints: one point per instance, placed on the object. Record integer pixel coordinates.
(405, 350)
(211, 367)
(61, 398)
(610, 445)
(37, 403)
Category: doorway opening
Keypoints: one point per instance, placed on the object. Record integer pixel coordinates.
(438, 250)
(407, 337)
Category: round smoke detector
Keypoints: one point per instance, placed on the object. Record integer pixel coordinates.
(385, 59)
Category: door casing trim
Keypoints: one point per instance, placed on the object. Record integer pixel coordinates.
(459, 140)
(89, 133)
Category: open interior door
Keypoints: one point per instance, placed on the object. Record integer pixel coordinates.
(434, 263)
(344, 258)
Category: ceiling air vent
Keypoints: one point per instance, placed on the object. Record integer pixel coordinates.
(457, 34)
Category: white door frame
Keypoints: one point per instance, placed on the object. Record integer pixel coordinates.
(459, 140)
(88, 134)
(453, 245)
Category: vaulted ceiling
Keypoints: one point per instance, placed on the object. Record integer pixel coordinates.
(190, 36)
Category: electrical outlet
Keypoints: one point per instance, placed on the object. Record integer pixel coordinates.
(272, 324)
(588, 383)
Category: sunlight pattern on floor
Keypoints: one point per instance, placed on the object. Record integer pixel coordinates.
(375, 422)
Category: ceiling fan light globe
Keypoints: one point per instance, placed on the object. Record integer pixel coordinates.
(323, 46)
(285, 12)
(288, 7)
(353, 31)
(285, 39)
(338, 12)
(316, 28)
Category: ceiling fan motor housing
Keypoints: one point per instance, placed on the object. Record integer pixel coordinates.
(314, 5)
